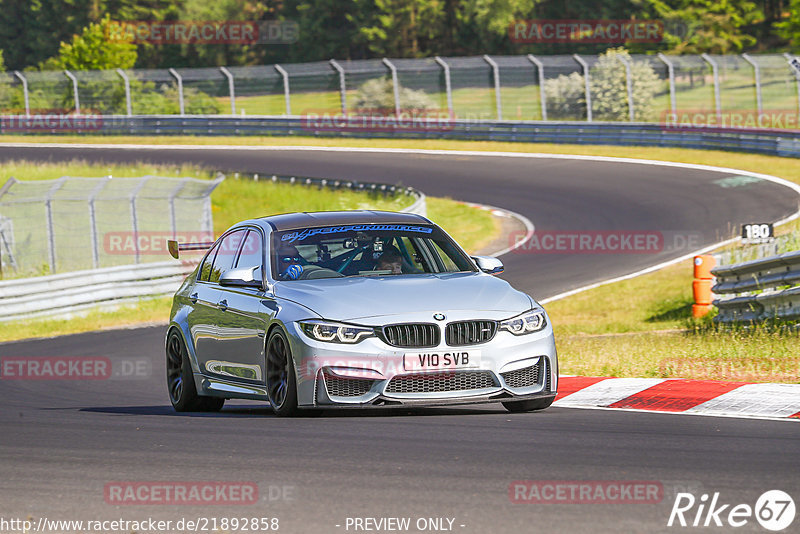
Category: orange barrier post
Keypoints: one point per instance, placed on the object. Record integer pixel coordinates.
(701, 287)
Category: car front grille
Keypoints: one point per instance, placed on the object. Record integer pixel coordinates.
(525, 377)
(469, 332)
(346, 387)
(441, 382)
(411, 335)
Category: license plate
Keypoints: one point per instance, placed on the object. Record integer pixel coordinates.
(457, 359)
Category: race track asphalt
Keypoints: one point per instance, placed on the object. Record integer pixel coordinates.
(62, 442)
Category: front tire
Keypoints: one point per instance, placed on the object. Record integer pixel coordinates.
(529, 405)
(281, 379)
(180, 380)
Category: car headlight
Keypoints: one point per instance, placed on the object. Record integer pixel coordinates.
(335, 332)
(530, 321)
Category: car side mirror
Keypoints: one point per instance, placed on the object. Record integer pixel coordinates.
(246, 277)
(488, 264)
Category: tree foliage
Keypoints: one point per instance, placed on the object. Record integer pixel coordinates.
(93, 49)
(608, 80)
(33, 32)
(378, 95)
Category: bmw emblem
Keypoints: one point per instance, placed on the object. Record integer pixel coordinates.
(439, 316)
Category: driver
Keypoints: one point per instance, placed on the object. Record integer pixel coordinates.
(289, 262)
(390, 260)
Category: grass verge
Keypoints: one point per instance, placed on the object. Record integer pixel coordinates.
(231, 202)
(642, 327)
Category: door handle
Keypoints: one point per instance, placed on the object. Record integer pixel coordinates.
(193, 298)
(223, 305)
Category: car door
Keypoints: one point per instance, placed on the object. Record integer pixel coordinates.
(204, 320)
(244, 313)
(201, 320)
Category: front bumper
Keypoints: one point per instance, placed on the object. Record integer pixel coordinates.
(371, 373)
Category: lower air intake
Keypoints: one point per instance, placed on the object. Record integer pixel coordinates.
(337, 386)
(525, 377)
(441, 382)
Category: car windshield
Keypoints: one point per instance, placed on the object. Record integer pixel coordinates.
(365, 250)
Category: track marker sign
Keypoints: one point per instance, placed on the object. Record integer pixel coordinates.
(756, 233)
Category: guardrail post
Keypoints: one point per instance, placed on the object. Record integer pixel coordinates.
(757, 80)
(671, 73)
(127, 83)
(231, 90)
(48, 208)
(285, 76)
(629, 85)
(395, 86)
(715, 72)
(542, 97)
(207, 223)
(796, 77)
(178, 79)
(496, 77)
(3, 190)
(173, 219)
(74, 91)
(447, 87)
(93, 222)
(24, 81)
(586, 86)
(134, 216)
(342, 84)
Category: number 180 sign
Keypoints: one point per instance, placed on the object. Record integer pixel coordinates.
(754, 233)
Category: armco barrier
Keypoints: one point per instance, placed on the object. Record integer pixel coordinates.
(63, 294)
(768, 288)
(784, 143)
(69, 292)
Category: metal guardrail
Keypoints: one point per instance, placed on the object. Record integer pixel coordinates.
(784, 143)
(62, 294)
(758, 290)
(419, 206)
(68, 293)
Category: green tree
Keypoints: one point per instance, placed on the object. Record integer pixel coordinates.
(566, 95)
(94, 49)
(609, 83)
(706, 26)
(377, 94)
(789, 28)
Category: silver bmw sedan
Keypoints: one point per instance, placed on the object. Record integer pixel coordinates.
(353, 309)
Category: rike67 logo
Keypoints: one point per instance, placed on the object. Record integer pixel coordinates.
(774, 510)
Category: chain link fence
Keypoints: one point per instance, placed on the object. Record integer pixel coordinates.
(622, 87)
(69, 224)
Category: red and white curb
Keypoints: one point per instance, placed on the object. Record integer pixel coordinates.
(675, 395)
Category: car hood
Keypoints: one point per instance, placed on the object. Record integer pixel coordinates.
(352, 298)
